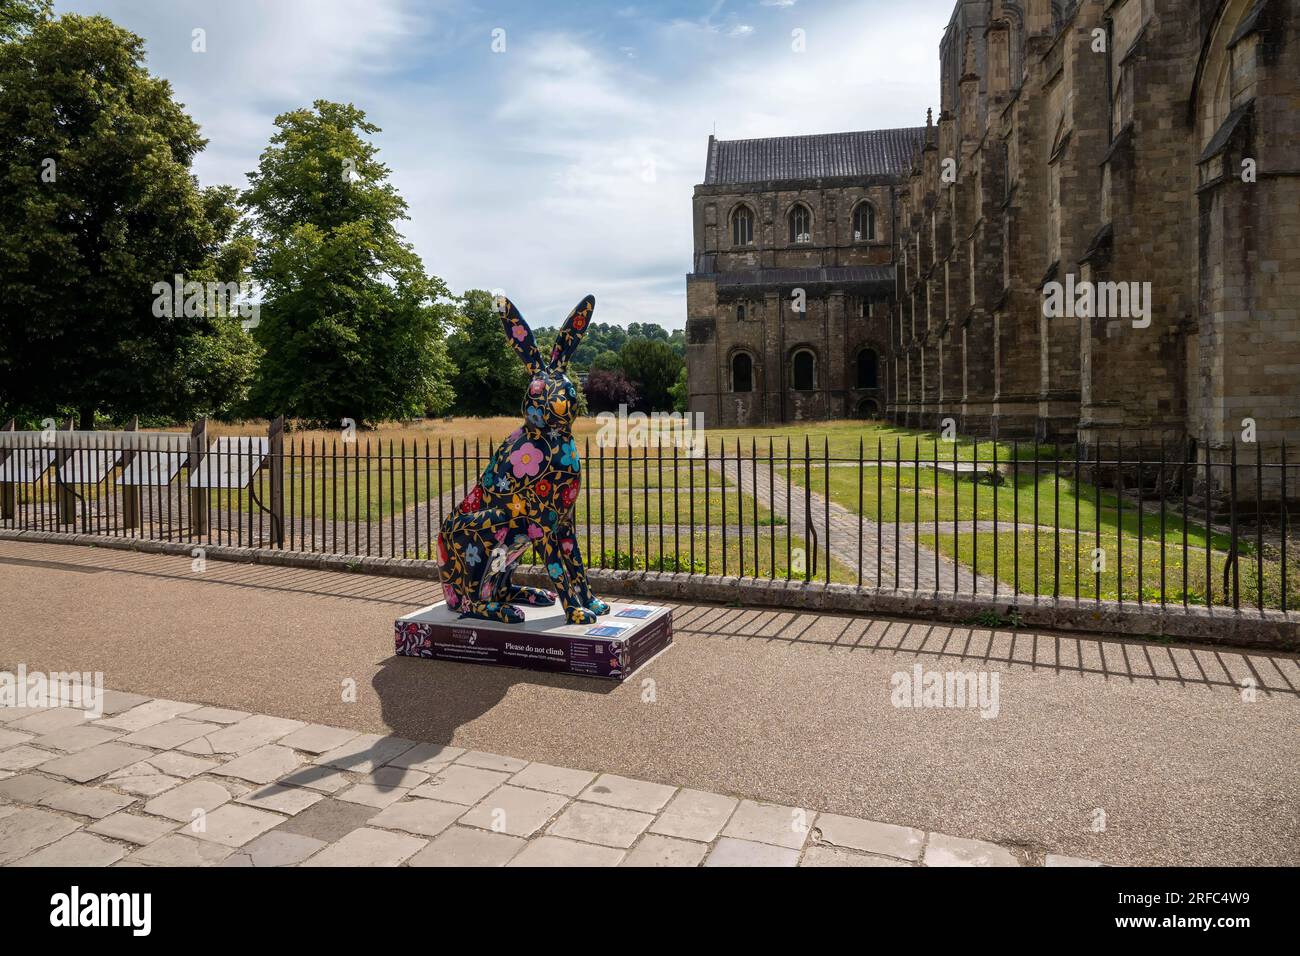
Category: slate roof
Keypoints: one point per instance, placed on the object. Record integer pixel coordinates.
(877, 152)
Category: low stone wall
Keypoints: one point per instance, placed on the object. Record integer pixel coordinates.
(1270, 630)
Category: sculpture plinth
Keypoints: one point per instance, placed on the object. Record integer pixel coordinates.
(614, 648)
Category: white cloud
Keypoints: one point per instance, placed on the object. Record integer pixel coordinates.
(566, 164)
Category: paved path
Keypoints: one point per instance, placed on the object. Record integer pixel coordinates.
(888, 553)
(155, 782)
(1190, 753)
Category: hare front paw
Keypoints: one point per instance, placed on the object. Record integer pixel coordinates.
(580, 615)
(597, 605)
(493, 611)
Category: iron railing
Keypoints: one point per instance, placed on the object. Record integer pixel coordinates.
(1176, 527)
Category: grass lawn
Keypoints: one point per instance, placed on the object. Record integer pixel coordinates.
(913, 495)
(1120, 576)
(703, 554)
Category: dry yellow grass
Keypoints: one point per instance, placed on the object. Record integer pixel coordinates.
(430, 429)
(843, 435)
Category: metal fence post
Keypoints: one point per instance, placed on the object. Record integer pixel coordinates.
(198, 495)
(132, 503)
(275, 448)
(8, 489)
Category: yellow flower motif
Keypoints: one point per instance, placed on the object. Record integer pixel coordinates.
(560, 405)
(517, 506)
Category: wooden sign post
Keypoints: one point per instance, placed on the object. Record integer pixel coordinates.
(132, 499)
(198, 496)
(8, 490)
(275, 449)
(67, 500)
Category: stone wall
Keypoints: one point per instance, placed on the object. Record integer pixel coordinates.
(1143, 148)
(840, 324)
(1105, 141)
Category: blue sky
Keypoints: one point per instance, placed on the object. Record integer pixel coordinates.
(564, 163)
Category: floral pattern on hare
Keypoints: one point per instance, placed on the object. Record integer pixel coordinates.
(526, 495)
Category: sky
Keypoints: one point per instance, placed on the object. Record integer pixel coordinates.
(545, 149)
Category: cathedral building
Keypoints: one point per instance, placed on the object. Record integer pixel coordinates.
(788, 303)
(1096, 238)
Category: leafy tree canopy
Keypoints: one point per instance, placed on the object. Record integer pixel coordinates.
(19, 16)
(606, 391)
(489, 378)
(654, 366)
(97, 204)
(350, 324)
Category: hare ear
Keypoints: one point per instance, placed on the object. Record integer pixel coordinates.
(518, 334)
(571, 333)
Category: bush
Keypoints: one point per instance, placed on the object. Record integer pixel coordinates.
(606, 391)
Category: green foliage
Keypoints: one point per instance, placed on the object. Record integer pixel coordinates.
(489, 378)
(996, 620)
(98, 203)
(679, 392)
(350, 324)
(603, 338)
(606, 362)
(647, 330)
(17, 17)
(655, 367)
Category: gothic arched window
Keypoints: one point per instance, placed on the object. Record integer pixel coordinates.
(803, 371)
(742, 372)
(868, 369)
(740, 313)
(864, 222)
(800, 224)
(742, 226)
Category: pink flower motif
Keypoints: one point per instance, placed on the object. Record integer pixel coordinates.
(534, 532)
(526, 460)
(536, 386)
(501, 535)
(452, 599)
(518, 331)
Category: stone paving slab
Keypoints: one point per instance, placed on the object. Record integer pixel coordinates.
(278, 792)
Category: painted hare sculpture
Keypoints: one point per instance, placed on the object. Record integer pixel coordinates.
(525, 497)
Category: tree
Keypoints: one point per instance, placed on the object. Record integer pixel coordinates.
(606, 361)
(489, 378)
(654, 366)
(17, 17)
(680, 393)
(678, 341)
(350, 323)
(647, 330)
(97, 204)
(606, 391)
